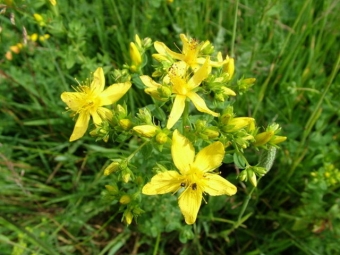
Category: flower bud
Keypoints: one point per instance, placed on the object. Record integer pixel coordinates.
(228, 92)
(243, 176)
(126, 177)
(128, 216)
(125, 199)
(238, 123)
(113, 167)
(263, 138)
(278, 139)
(135, 55)
(229, 67)
(112, 189)
(161, 138)
(146, 130)
(260, 171)
(211, 133)
(251, 177)
(126, 124)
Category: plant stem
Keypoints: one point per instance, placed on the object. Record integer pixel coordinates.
(137, 150)
(232, 51)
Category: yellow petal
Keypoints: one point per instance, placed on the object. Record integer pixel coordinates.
(200, 75)
(210, 157)
(189, 202)
(80, 126)
(96, 117)
(165, 182)
(150, 83)
(160, 47)
(182, 152)
(113, 93)
(176, 111)
(73, 100)
(98, 83)
(200, 104)
(217, 185)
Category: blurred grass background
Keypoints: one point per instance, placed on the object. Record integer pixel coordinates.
(51, 189)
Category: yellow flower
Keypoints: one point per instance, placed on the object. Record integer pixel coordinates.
(194, 176)
(184, 89)
(136, 57)
(191, 52)
(88, 100)
(53, 2)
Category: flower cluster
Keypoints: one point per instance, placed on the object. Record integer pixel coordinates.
(192, 91)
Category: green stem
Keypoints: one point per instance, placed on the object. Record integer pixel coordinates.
(245, 203)
(312, 120)
(185, 117)
(155, 250)
(232, 51)
(137, 150)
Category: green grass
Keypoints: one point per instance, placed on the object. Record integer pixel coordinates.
(51, 191)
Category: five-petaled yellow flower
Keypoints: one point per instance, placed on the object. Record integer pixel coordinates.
(194, 176)
(184, 89)
(88, 100)
(191, 52)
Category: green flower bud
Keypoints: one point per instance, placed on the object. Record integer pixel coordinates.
(113, 167)
(161, 138)
(252, 177)
(112, 189)
(125, 199)
(263, 138)
(126, 124)
(146, 130)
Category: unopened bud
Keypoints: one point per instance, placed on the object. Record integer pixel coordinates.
(146, 130)
(278, 139)
(112, 189)
(252, 177)
(161, 138)
(263, 138)
(126, 124)
(125, 199)
(113, 167)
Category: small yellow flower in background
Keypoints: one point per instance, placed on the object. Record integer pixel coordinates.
(88, 100)
(194, 176)
(9, 55)
(16, 48)
(184, 89)
(44, 37)
(33, 37)
(39, 19)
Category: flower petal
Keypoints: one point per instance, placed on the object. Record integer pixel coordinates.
(113, 93)
(200, 75)
(200, 104)
(210, 157)
(150, 83)
(98, 83)
(73, 100)
(80, 127)
(176, 111)
(96, 117)
(165, 182)
(189, 202)
(217, 185)
(182, 152)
